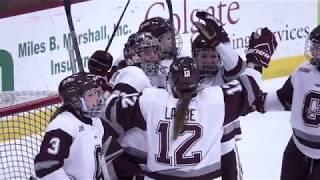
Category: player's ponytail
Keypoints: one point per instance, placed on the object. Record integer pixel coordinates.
(184, 79)
(181, 110)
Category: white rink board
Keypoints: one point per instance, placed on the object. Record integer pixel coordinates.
(40, 65)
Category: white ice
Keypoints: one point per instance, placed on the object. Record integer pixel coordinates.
(264, 139)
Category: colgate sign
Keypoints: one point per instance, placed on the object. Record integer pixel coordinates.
(225, 12)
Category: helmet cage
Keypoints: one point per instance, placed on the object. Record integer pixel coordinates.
(207, 60)
(312, 51)
(94, 108)
(148, 48)
(166, 44)
(149, 54)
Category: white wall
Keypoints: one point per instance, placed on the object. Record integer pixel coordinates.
(290, 20)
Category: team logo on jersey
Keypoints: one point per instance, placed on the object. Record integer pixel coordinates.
(311, 109)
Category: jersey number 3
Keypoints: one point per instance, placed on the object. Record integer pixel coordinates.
(179, 156)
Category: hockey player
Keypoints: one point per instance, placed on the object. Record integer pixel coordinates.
(300, 94)
(144, 70)
(148, 49)
(143, 55)
(213, 65)
(77, 144)
(218, 63)
(132, 76)
(183, 141)
(142, 52)
(126, 82)
(216, 70)
(162, 29)
(118, 76)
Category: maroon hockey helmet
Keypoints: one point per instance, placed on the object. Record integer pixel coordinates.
(157, 26)
(312, 46)
(72, 90)
(184, 74)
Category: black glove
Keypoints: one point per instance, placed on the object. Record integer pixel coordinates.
(258, 104)
(212, 29)
(104, 84)
(100, 62)
(261, 48)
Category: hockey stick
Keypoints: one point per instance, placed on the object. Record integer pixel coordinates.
(106, 160)
(72, 59)
(173, 36)
(116, 28)
(67, 7)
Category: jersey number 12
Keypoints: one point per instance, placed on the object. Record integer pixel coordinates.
(180, 153)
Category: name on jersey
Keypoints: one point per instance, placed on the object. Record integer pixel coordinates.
(190, 114)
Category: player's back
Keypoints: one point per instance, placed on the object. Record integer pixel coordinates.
(196, 152)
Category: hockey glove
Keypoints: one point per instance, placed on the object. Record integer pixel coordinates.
(100, 62)
(212, 29)
(258, 105)
(104, 84)
(261, 48)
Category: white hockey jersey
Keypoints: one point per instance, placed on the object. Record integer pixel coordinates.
(232, 67)
(159, 76)
(196, 153)
(72, 149)
(301, 95)
(125, 82)
(130, 79)
(165, 64)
